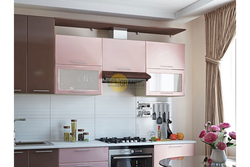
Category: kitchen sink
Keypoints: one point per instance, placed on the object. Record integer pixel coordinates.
(31, 143)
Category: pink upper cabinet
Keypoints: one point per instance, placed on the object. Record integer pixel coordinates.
(165, 55)
(76, 50)
(123, 55)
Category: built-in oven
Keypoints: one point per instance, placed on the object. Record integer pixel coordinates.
(131, 156)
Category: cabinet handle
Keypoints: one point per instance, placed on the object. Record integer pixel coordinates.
(142, 156)
(79, 150)
(46, 151)
(82, 165)
(18, 152)
(17, 90)
(174, 146)
(79, 62)
(167, 92)
(124, 69)
(82, 91)
(37, 90)
(168, 66)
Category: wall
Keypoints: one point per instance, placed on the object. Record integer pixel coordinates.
(197, 41)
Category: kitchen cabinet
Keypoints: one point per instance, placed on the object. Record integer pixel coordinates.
(89, 164)
(21, 158)
(77, 50)
(165, 55)
(20, 53)
(87, 156)
(78, 79)
(175, 150)
(44, 157)
(37, 50)
(123, 55)
(165, 63)
(41, 55)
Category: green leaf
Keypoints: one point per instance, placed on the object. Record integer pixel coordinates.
(231, 144)
(205, 159)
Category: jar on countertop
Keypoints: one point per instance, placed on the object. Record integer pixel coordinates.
(80, 134)
(73, 127)
(66, 133)
(72, 137)
(86, 136)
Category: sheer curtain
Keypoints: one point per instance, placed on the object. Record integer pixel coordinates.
(220, 26)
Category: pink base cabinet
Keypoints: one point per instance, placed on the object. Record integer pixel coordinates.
(89, 164)
(87, 156)
(172, 150)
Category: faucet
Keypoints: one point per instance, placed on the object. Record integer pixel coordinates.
(20, 119)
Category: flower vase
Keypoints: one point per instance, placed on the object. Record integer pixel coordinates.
(218, 156)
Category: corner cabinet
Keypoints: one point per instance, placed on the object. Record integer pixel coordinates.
(123, 55)
(34, 54)
(78, 80)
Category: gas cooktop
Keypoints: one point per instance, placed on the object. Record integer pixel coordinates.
(122, 140)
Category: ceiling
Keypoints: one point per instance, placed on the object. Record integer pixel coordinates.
(169, 10)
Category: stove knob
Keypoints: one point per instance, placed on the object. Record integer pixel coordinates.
(132, 151)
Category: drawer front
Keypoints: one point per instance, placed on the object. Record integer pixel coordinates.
(89, 164)
(83, 155)
(180, 150)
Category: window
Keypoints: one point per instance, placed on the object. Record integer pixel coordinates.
(228, 82)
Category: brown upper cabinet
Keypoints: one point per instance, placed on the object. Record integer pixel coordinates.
(20, 53)
(34, 59)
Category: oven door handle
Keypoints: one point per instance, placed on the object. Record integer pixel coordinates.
(142, 156)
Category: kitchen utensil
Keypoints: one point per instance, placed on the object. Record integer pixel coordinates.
(159, 119)
(164, 113)
(154, 114)
(169, 132)
(164, 117)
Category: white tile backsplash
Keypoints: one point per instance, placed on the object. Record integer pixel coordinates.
(115, 106)
(32, 106)
(32, 130)
(115, 127)
(112, 114)
(72, 107)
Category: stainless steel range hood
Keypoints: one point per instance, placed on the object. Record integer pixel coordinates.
(132, 77)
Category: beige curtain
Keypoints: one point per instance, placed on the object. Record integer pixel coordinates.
(220, 30)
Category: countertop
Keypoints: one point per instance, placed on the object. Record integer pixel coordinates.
(95, 143)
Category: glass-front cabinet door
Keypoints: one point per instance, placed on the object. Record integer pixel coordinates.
(165, 82)
(78, 79)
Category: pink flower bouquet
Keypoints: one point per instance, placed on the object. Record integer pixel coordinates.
(215, 136)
